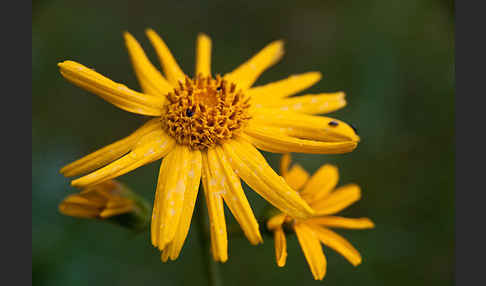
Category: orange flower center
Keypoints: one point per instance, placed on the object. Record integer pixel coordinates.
(205, 111)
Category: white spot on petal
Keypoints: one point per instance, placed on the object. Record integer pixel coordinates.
(297, 106)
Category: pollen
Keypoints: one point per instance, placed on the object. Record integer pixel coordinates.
(205, 111)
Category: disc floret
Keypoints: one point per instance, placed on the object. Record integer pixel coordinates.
(205, 111)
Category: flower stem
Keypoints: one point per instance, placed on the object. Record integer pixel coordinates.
(211, 267)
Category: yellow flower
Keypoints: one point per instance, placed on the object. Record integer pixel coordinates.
(101, 201)
(318, 191)
(206, 128)
(110, 201)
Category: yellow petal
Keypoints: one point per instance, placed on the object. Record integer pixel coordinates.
(276, 221)
(271, 92)
(150, 79)
(214, 200)
(342, 222)
(164, 256)
(203, 55)
(296, 177)
(322, 182)
(193, 180)
(305, 126)
(118, 202)
(234, 196)
(115, 93)
(79, 211)
(149, 148)
(247, 73)
(338, 200)
(82, 201)
(265, 146)
(285, 163)
(106, 213)
(269, 139)
(250, 165)
(312, 250)
(280, 247)
(338, 243)
(95, 198)
(309, 104)
(109, 153)
(155, 226)
(171, 69)
(172, 192)
(103, 192)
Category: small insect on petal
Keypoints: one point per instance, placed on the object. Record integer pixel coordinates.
(333, 123)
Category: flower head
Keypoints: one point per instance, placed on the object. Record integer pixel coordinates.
(208, 129)
(109, 200)
(318, 191)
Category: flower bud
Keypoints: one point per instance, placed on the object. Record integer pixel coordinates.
(109, 201)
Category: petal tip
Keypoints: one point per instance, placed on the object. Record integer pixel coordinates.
(203, 36)
(369, 223)
(357, 262)
(279, 46)
(150, 33)
(62, 171)
(317, 74)
(164, 257)
(281, 263)
(65, 64)
(127, 36)
(357, 190)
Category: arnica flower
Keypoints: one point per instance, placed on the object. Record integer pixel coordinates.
(318, 191)
(209, 128)
(108, 200)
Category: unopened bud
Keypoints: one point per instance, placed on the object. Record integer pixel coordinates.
(109, 201)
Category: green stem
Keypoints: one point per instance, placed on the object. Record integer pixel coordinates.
(212, 267)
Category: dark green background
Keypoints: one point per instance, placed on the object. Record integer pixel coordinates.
(395, 61)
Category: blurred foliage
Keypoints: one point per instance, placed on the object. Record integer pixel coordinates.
(395, 61)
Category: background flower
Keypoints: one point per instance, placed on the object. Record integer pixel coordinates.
(319, 190)
(110, 201)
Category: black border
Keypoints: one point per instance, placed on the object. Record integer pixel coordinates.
(16, 135)
(469, 155)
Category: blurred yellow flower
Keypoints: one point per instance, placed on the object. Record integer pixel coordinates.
(110, 201)
(318, 191)
(207, 128)
(99, 201)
